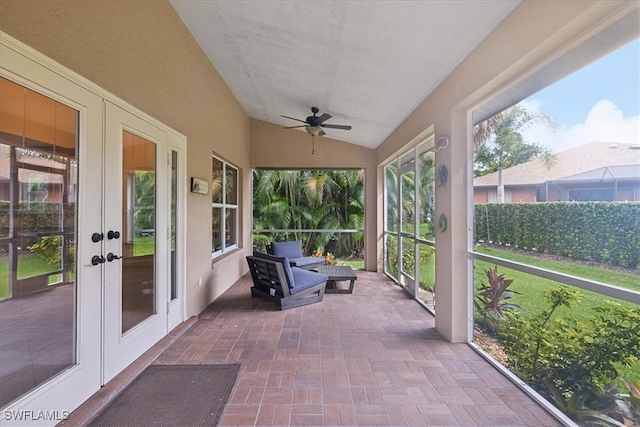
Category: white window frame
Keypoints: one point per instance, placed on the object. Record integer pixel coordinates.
(224, 208)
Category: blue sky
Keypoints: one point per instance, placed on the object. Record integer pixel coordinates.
(598, 102)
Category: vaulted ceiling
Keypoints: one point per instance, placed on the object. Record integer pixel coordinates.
(366, 63)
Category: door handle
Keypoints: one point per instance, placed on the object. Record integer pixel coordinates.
(97, 259)
(113, 234)
(96, 237)
(111, 256)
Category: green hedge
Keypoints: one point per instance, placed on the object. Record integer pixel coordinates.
(31, 218)
(607, 232)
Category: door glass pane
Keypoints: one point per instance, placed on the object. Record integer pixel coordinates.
(391, 205)
(427, 274)
(408, 200)
(391, 255)
(174, 220)
(408, 263)
(38, 188)
(427, 195)
(139, 227)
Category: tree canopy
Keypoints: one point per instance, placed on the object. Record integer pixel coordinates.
(311, 200)
(499, 143)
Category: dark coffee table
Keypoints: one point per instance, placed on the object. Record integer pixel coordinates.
(338, 273)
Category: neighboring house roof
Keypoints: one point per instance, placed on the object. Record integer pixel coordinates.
(584, 159)
(609, 173)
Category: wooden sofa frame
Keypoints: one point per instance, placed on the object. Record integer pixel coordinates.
(270, 281)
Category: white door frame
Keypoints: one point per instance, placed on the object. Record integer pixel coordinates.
(67, 391)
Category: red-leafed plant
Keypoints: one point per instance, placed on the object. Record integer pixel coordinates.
(492, 299)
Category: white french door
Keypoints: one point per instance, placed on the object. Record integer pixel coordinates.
(136, 224)
(92, 202)
(51, 133)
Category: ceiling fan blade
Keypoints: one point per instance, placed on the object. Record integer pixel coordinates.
(323, 118)
(293, 127)
(293, 118)
(343, 127)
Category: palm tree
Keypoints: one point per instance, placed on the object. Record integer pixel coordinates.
(427, 191)
(499, 144)
(275, 200)
(310, 200)
(144, 200)
(392, 204)
(345, 208)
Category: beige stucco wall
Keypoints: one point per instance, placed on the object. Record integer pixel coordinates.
(141, 52)
(275, 147)
(535, 33)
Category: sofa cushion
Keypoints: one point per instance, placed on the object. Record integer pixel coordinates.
(306, 260)
(304, 279)
(290, 250)
(282, 260)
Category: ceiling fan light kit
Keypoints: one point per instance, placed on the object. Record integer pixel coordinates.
(314, 131)
(314, 124)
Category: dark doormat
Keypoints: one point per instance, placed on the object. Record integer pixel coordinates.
(172, 395)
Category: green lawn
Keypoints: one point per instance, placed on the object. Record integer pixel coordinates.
(532, 288)
(144, 245)
(531, 291)
(28, 265)
(428, 273)
(604, 275)
(356, 264)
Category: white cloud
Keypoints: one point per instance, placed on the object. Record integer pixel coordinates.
(604, 122)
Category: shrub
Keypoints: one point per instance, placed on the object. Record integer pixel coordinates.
(260, 242)
(329, 258)
(607, 232)
(571, 361)
(50, 249)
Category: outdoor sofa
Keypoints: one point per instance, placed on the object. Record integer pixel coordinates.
(275, 279)
(292, 250)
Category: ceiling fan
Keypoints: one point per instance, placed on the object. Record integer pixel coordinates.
(313, 124)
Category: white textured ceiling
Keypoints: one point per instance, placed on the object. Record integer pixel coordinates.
(367, 63)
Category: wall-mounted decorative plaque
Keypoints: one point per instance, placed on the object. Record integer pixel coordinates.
(199, 186)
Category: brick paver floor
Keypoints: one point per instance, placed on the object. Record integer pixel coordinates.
(370, 358)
